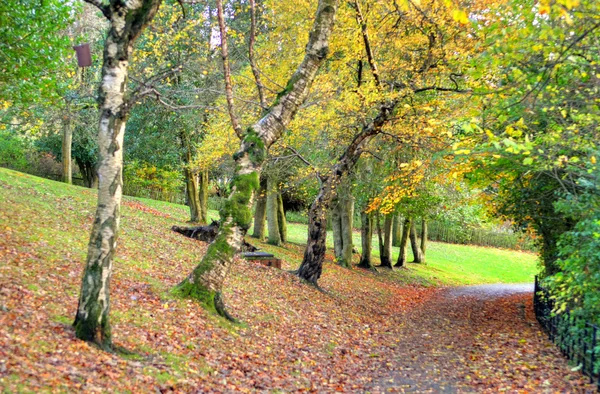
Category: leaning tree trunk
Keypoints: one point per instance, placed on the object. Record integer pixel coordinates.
(281, 220)
(128, 19)
(366, 236)
(272, 215)
(347, 222)
(423, 237)
(205, 282)
(418, 255)
(314, 254)
(67, 142)
(404, 243)
(336, 229)
(260, 213)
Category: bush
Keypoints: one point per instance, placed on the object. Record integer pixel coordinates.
(13, 151)
(145, 180)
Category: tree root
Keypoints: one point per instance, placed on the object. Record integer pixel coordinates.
(221, 310)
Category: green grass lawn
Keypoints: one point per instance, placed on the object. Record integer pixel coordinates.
(447, 264)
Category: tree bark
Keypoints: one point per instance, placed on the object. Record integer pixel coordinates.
(347, 222)
(67, 142)
(404, 243)
(397, 230)
(193, 200)
(281, 221)
(127, 19)
(203, 196)
(336, 229)
(272, 215)
(206, 280)
(423, 237)
(386, 256)
(314, 254)
(366, 235)
(418, 255)
(260, 213)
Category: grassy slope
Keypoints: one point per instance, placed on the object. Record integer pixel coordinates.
(44, 227)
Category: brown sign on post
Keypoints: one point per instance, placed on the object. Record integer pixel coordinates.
(84, 57)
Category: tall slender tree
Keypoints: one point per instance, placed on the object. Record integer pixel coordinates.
(127, 21)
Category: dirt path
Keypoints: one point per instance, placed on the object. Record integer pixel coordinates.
(478, 339)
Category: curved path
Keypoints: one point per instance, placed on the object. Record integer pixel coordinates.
(478, 339)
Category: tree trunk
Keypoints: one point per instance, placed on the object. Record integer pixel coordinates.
(404, 243)
(67, 140)
(193, 200)
(203, 196)
(384, 255)
(336, 228)
(397, 231)
(260, 213)
(366, 235)
(387, 240)
(347, 222)
(423, 237)
(281, 221)
(272, 215)
(418, 255)
(128, 19)
(314, 253)
(88, 172)
(206, 280)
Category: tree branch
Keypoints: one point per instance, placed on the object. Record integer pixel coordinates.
(227, 71)
(365, 34)
(259, 85)
(101, 6)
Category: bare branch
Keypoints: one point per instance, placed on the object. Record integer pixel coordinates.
(365, 34)
(101, 6)
(259, 85)
(227, 71)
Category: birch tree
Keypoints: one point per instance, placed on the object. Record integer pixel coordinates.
(205, 282)
(127, 21)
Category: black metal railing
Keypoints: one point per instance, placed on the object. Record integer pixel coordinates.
(577, 339)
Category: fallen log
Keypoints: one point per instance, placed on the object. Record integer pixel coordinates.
(208, 234)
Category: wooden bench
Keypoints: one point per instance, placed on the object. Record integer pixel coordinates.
(263, 258)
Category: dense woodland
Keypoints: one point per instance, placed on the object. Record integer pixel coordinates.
(404, 120)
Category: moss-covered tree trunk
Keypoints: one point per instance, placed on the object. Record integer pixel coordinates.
(260, 213)
(347, 223)
(272, 215)
(127, 19)
(423, 237)
(404, 243)
(281, 220)
(205, 282)
(203, 196)
(414, 244)
(366, 236)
